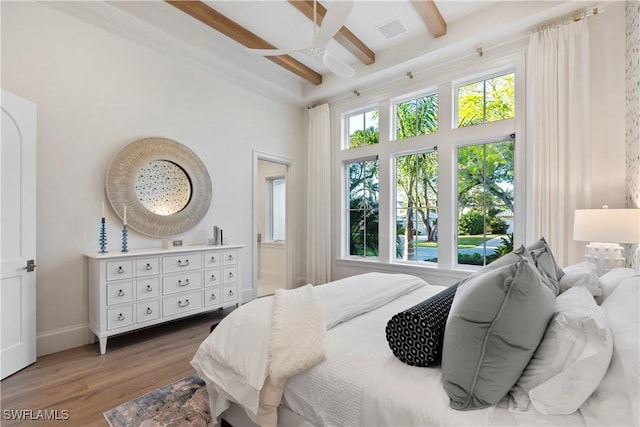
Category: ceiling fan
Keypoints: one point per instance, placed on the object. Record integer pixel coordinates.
(334, 19)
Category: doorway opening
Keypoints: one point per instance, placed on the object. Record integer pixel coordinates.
(272, 194)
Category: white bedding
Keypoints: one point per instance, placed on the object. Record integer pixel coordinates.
(233, 360)
(360, 383)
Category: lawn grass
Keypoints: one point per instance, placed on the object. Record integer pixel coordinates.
(466, 241)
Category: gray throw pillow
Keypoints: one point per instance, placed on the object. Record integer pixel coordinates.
(497, 319)
(546, 263)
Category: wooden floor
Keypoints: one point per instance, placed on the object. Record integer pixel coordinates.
(85, 383)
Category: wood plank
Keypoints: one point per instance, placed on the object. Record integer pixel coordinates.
(86, 384)
(345, 37)
(431, 16)
(233, 30)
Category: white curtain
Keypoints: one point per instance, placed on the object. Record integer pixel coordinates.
(558, 101)
(319, 196)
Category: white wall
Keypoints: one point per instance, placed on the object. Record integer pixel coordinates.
(97, 92)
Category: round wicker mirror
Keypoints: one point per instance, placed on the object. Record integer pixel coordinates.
(164, 185)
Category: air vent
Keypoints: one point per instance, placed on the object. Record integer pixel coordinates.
(391, 29)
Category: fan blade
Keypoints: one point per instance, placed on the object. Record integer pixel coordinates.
(274, 52)
(337, 14)
(338, 67)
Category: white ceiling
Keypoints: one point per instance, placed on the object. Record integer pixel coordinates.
(470, 24)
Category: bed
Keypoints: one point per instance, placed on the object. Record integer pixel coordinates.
(333, 363)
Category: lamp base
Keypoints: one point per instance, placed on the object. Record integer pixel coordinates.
(605, 256)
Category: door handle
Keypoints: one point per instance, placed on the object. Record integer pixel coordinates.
(31, 265)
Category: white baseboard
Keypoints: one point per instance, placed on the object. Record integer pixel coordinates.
(56, 340)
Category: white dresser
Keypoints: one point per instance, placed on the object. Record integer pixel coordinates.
(140, 288)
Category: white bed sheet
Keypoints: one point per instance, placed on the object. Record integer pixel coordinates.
(363, 384)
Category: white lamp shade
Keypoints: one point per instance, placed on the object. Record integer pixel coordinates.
(607, 225)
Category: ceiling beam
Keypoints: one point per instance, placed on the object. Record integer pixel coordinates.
(233, 30)
(431, 16)
(345, 37)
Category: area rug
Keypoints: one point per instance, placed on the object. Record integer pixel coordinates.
(184, 403)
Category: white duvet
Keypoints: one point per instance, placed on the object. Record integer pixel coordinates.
(360, 383)
(234, 359)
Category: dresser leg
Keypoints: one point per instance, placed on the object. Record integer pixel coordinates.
(103, 345)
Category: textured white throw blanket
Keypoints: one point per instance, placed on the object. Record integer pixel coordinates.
(297, 343)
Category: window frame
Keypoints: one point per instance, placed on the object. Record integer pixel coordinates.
(393, 137)
(477, 78)
(448, 138)
(345, 140)
(346, 241)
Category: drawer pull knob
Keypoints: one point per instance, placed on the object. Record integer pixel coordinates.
(213, 278)
(121, 317)
(149, 267)
(120, 270)
(230, 293)
(213, 297)
(186, 303)
(120, 293)
(183, 264)
(230, 258)
(230, 275)
(213, 260)
(186, 283)
(149, 311)
(149, 288)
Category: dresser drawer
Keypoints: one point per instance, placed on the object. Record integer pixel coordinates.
(181, 303)
(119, 292)
(230, 275)
(146, 311)
(119, 317)
(147, 288)
(147, 267)
(230, 257)
(213, 259)
(175, 263)
(229, 293)
(212, 296)
(117, 270)
(213, 277)
(181, 282)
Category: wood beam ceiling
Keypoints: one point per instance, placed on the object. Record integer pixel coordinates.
(345, 37)
(231, 29)
(431, 16)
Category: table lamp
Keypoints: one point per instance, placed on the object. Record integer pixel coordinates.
(605, 229)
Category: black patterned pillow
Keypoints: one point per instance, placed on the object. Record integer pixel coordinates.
(415, 335)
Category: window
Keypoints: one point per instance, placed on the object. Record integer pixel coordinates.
(362, 129)
(278, 209)
(418, 116)
(416, 211)
(275, 208)
(363, 182)
(486, 101)
(485, 202)
(421, 192)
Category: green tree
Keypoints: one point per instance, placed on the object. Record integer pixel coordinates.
(486, 101)
(485, 172)
(363, 208)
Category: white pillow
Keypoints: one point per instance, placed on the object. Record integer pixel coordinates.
(584, 273)
(571, 359)
(615, 401)
(611, 279)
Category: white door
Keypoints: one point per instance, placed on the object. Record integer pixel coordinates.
(18, 234)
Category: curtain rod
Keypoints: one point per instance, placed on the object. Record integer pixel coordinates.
(575, 18)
